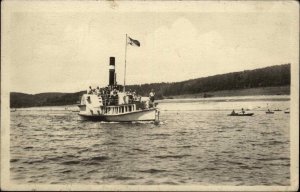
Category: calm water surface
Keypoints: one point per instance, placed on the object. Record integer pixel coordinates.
(195, 143)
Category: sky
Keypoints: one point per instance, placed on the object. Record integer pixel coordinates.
(65, 50)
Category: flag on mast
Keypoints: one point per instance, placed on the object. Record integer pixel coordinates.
(133, 42)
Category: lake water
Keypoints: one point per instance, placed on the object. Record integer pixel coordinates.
(195, 143)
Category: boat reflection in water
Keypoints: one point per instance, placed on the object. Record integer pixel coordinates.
(111, 103)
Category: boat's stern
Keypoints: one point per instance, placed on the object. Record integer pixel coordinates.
(89, 104)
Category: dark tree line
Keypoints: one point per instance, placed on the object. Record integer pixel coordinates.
(43, 99)
(265, 77)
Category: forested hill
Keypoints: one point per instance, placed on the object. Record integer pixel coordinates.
(278, 75)
(43, 99)
(273, 76)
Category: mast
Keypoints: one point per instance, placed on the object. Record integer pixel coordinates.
(125, 64)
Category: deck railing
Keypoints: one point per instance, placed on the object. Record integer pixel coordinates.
(114, 110)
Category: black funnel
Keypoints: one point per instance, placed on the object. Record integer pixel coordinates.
(112, 78)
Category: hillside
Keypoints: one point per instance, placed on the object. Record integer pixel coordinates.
(257, 81)
(43, 99)
(273, 76)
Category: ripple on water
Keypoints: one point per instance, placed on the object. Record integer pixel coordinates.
(14, 160)
(273, 159)
(66, 171)
(152, 171)
(98, 158)
(171, 156)
(72, 162)
(191, 147)
(118, 177)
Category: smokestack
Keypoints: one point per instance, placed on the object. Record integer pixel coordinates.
(112, 78)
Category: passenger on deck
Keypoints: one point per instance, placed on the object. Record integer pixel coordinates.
(129, 92)
(151, 95)
(102, 91)
(98, 92)
(114, 97)
(105, 91)
(115, 93)
(116, 87)
(130, 97)
(90, 90)
(134, 96)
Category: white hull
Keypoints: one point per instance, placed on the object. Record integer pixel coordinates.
(138, 115)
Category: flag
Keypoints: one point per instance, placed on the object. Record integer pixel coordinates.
(133, 42)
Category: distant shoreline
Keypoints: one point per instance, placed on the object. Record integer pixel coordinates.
(274, 80)
(279, 90)
(212, 96)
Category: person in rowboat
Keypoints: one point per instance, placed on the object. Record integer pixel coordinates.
(233, 112)
(243, 111)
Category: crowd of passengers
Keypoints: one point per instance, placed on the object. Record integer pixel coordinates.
(109, 95)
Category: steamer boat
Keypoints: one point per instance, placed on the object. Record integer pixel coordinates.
(114, 104)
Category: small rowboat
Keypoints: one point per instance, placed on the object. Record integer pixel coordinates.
(241, 114)
(269, 112)
(277, 110)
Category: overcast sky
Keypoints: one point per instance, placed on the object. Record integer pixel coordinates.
(65, 49)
